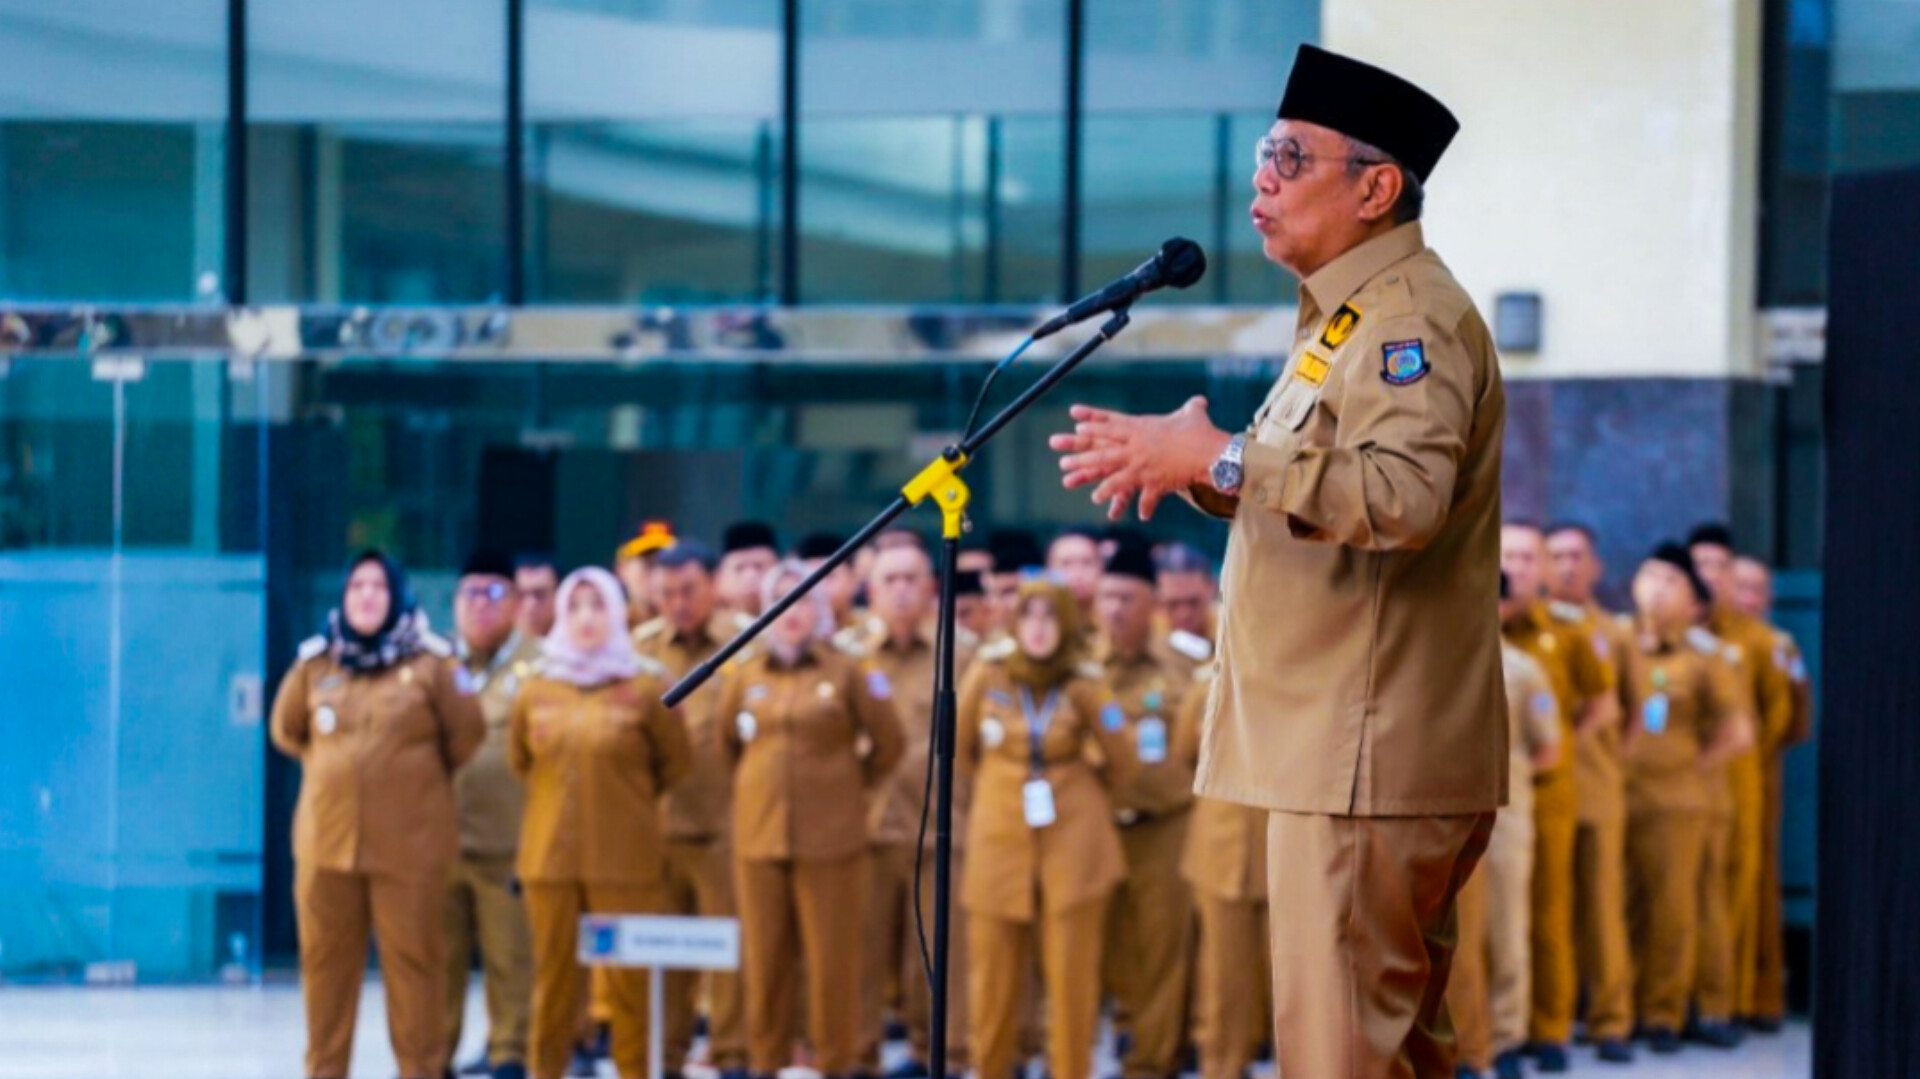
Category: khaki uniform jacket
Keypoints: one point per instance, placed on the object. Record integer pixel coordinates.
(1078, 857)
(700, 807)
(800, 781)
(1754, 649)
(1359, 641)
(595, 761)
(1597, 775)
(1787, 654)
(491, 799)
(1533, 718)
(1150, 687)
(378, 752)
(1565, 653)
(1663, 767)
(907, 670)
(1226, 852)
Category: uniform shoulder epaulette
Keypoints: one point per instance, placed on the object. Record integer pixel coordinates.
(1566, 612)
(437, 645)
(849, 643)
(652, 666)
(998, 651)
(313, 647)
(1703, 641)
(651, 628)
(964, 638)
(1624, 620)
(1089, 669)
(740, 621)
(1191, 645)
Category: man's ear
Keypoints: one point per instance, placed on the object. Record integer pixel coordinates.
(1384, 184)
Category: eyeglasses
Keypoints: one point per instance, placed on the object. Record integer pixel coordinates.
(484, 593)
(1287, 158)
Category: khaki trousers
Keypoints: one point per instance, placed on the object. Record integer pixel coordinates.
(1769, 945)
(1713, 980)
(1069, 943)
(1556, 982)
(1606, 959)
(1467, 996)
(700, 883)
(893, 958)
(484, 914)
(554, 910)
(1364, 930)
(1148, 958)
(1746, 851)
(1491, 992)
(337, 912)
(1234, 988)
(1665, 853)
(790, 910)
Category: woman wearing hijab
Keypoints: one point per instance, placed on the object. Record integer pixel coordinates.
(596, 747)
(1042, 744)
(374, 714)
(809, 734)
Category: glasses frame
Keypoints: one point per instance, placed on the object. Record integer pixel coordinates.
(1272, 151)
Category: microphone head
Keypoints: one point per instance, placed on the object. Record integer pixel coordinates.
(1182, 262)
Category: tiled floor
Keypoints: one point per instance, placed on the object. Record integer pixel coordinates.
(227, 1033)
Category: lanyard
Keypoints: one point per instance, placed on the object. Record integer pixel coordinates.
(1038, 722)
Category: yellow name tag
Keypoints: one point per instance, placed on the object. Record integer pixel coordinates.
(1312, 370)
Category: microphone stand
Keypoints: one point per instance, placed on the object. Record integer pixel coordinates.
(940, 481)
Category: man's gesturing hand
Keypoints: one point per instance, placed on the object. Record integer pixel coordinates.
(1146, 456)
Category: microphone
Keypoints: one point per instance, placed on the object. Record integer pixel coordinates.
(1179, 263)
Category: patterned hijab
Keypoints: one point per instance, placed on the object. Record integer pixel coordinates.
(401, 637)
(615, 660)
(1043, 673)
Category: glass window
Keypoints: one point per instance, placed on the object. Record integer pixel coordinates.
(1176, 95)
(930, 150)
(112, 148)
(376, 155)
(652, 150)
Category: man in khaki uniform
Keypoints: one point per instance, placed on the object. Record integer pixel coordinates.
(1365, 501)
(483, 909)
(1600, 842)
(1491, 994)
(900, 588)
(1584, 689)
(1750, 647)
(699, 855)
(1753, 595)
(1149, 944)
(1187, 594)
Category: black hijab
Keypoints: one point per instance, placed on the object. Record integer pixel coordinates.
(399, 638)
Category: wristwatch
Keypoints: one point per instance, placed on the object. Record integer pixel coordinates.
(1227, 473)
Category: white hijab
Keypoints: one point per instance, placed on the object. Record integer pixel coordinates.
(613, 661)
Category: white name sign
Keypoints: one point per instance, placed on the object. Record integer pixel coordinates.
(664, 943)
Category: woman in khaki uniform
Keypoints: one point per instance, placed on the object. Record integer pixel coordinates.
(373, 713)
(1683, 723)
(808, 734)
(1040, 743)
(596, 748)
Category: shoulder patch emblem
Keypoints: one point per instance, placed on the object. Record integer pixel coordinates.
(1113, 717)
(1340, 327)
(1403, 363)
(877, 685)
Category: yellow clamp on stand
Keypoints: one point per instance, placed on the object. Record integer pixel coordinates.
(941, 481)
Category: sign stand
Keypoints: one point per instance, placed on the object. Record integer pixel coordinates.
(660, 944)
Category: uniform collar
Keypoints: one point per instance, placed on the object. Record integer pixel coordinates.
(924, 636)
(1107, 656)
(1533, 619)
(500, 657)
(1336, 282)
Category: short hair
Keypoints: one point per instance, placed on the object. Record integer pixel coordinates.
(1586, 533)
(899, 537)
(687, 553)
(1527, 523)
(1413, 192)
(1712, 533)
(535, 560)
(1184, 558)
(1091, 535)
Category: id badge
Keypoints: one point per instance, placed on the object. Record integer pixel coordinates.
(1037, 799)
(1150, 740)
(1654, 716)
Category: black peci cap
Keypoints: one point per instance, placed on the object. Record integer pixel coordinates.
(1133, 560)
(748, 536)
(488, 563)
(1375, 106)
(1015, 549)
(1678, 557)
(818, 545)
(967, 582)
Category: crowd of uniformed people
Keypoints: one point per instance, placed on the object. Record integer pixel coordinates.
(466, 799)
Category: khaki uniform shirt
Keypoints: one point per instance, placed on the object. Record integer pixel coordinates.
(1556, 642)
(699, 808)
(907, 669)
(1755, 651)
(1226, 852)
(1078, 857)
(595, 762)
(378, 752)
(490, 797)
(1787, 654)
(1359, 641)
(1150, 690)
(800, 783)
(1699, 693)
(1598, 780)
(1533, 721)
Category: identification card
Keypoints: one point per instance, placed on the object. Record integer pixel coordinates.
(1654, 716)
(1036, 798)
(1150, 740)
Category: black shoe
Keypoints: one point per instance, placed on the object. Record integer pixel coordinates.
(1507, 1065)
(477, 1066)
(1614, 1051)
(908, 1069)
(583, 1066)
(894, 1031)
(1662, 1041)
(602, 1042)
(1550, 1058)
(1461, 1071)
(1764, 1024)
(512, 1069)
(735, 1073)
(1718, 1035)
(699, 1026)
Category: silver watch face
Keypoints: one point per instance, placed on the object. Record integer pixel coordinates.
(1226, 475)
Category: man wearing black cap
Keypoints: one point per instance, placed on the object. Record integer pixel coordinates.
(971, 610)
(748, 549)
(1149, 952)
(1365, 499)
(1015, 552)
(483, 912)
